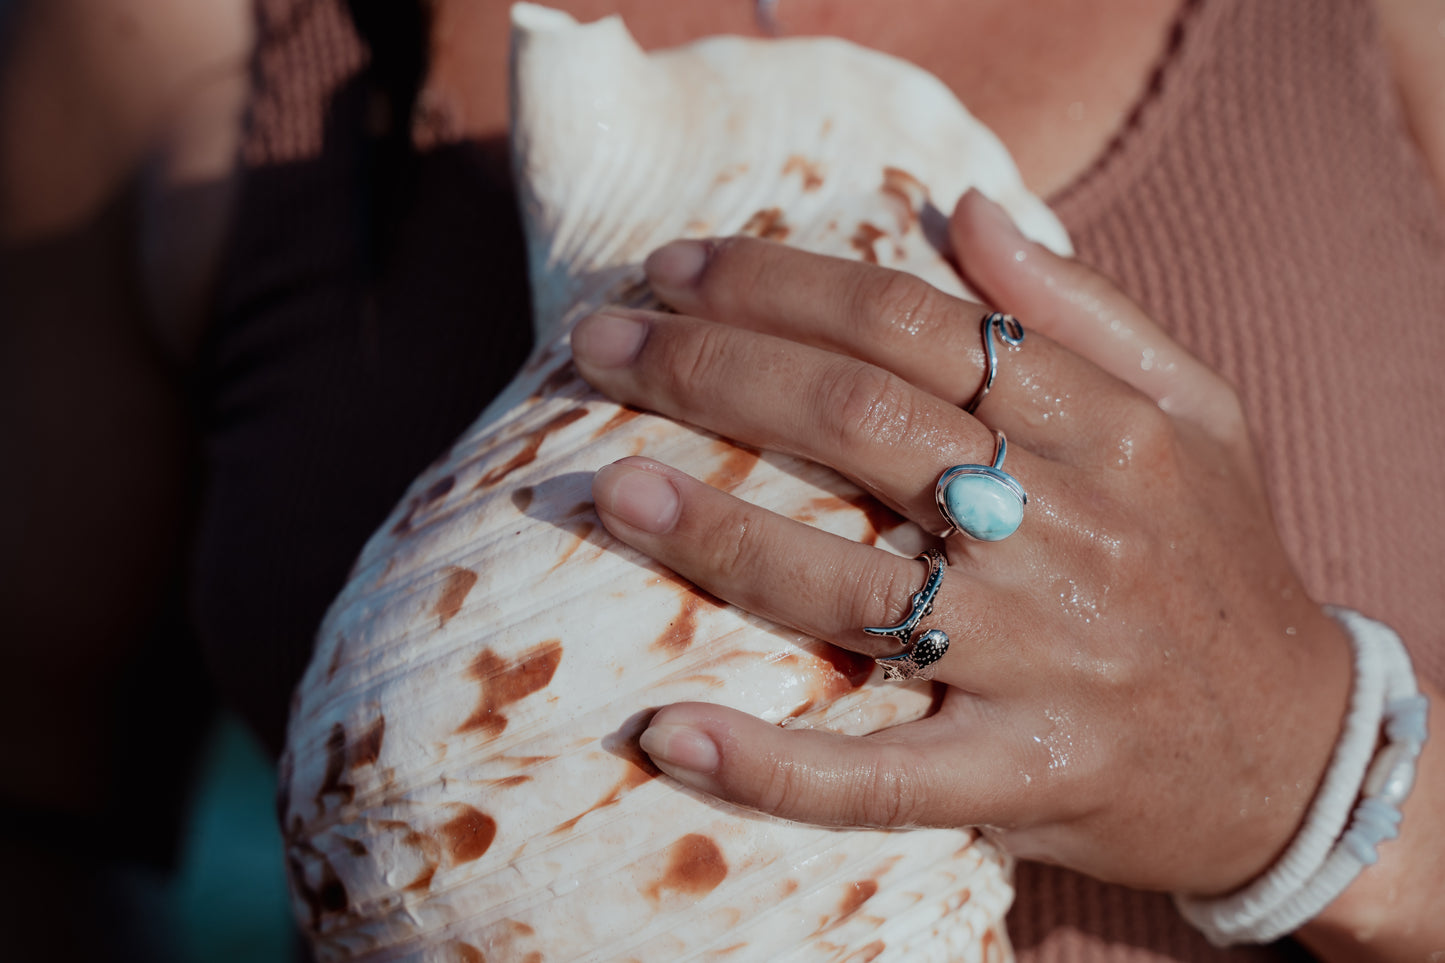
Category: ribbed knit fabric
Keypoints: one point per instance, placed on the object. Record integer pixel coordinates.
(1264, 202)
(308, 51)
(1266, 205)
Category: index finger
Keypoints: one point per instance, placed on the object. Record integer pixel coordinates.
(1085, 312)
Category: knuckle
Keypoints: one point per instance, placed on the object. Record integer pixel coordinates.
(1131, 548)
(886, 594)
(873, 794)
(888, 797)
(891, 300)
(735, 549)
(866, 407)
(1125, 542)
(785, 790)
(1149, 426)
(692, 357)
(1146, 438)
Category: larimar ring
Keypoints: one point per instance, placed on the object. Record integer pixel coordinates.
(918, 658)
(1006, 328)
(982, 501)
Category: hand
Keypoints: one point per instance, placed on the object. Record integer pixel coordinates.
(1137, 686)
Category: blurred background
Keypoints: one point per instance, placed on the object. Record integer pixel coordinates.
(257, 269)
(228, 895)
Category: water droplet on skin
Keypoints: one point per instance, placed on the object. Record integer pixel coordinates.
(1291, 630)
(1060, 740)
(1076, 602)
(1126, 453)
(1043, 403)
(1146, 361)
(1020, 256)
(1103, 541)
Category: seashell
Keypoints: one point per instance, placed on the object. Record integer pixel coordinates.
(461, 780)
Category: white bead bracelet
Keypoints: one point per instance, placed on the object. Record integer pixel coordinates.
(1364, 787)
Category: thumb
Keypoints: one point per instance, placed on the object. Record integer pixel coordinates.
(1081, 309)
(889, 779)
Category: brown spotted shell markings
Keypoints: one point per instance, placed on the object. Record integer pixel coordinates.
(462, 780)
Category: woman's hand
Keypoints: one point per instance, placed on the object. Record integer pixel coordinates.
(1137, 685)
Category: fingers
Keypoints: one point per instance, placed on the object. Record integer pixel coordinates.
(1082, 311)
(939, 771)
(867, 423)
(888, 318)
(821, 584)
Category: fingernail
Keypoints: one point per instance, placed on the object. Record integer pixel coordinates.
(608, 340)
(993, 218)
(681, 746)
(676, 265)
(640, 498)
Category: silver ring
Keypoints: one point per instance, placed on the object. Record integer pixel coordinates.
(982, 501)
(1008, 330)
(919, 656)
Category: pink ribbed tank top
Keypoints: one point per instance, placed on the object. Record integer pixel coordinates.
(1266, 204)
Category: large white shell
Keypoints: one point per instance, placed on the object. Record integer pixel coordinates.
(461, 780)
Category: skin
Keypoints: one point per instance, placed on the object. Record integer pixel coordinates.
(1138, 686)
(112, 107)
(1055, 122)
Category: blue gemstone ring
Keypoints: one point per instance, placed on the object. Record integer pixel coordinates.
(982, 501)
(918, 658)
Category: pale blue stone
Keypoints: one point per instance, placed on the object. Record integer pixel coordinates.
(984, 506)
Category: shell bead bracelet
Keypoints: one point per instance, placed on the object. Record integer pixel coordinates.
(1357, 806)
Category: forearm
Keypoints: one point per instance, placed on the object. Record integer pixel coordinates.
(1393, 911)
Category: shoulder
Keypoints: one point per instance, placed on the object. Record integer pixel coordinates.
(1414, 35)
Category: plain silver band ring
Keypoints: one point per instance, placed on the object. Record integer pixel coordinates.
(1008, 330)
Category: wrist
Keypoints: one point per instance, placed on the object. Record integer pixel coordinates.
(1392, 910)
(1355, 809)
